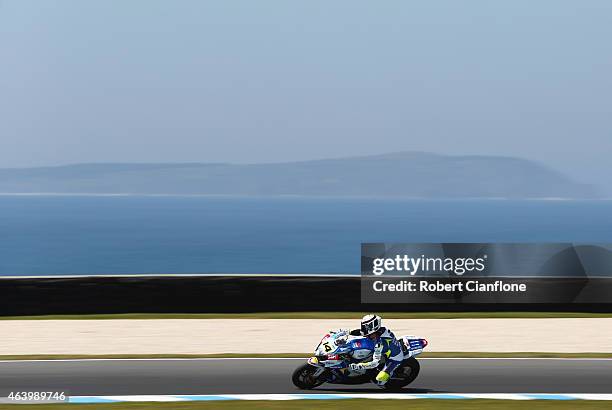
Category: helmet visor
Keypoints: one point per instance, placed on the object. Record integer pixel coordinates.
(369, 327)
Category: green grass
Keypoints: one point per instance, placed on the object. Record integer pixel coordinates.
(318, 315)
(299, 355)
(348, 404)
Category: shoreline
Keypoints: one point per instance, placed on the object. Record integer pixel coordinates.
(291, 196)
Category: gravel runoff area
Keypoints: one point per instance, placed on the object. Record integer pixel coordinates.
(208, 336)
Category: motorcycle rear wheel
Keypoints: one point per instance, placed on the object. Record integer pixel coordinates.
(404, 375)
(303, 377)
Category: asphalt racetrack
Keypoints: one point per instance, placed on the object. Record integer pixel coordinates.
(248, 376)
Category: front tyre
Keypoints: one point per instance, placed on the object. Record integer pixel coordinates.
(404, 375)
(303, 377)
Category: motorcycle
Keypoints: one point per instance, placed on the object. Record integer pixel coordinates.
(337, 350)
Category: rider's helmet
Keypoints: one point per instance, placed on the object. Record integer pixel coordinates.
(370, 324)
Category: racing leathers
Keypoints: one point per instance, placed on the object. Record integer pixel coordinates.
(389, 348)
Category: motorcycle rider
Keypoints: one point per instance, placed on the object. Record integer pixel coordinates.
(386, 345)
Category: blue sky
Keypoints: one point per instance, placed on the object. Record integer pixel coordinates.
(260, 81)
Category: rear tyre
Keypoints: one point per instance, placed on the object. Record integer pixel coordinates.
(404, 375)
(303, 377)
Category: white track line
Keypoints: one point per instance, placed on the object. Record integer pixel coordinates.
(327, 396)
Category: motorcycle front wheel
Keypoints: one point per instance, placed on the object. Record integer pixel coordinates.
(303, 377)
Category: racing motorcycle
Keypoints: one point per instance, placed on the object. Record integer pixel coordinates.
(332, 356)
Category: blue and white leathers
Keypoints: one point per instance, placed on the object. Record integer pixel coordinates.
(389, 348)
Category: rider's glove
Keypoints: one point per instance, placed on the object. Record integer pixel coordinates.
(355, 366)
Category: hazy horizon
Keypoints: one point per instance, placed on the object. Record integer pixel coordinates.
(270, 162)
(599, 188)
(242, 82)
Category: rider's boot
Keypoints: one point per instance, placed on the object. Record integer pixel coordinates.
(382, 378)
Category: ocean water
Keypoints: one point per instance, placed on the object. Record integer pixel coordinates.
(71, 235)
